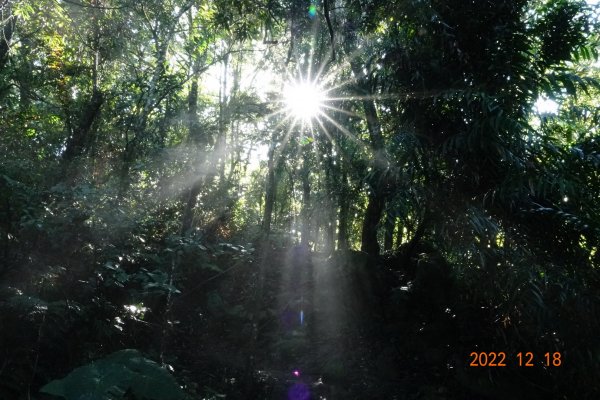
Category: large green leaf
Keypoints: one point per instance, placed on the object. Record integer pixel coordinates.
(111, 377)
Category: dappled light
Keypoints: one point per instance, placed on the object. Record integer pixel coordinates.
(546, 106)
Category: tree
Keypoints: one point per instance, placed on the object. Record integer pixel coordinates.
(160, 192)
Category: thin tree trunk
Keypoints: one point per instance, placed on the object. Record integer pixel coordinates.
(223, 120)
(330, 225)
(377, 194)
(25, 75)
(416, 238)
(375, 206)
(80, 140)
(327, 215)
(7, 33)
(270, 191)
(399, 234)
(195, 133)
(388, 238)
(306, 225)
(344, 206)
(187, 221)
(195, 136)
(151, 100)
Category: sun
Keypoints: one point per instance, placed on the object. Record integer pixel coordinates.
(304, 100)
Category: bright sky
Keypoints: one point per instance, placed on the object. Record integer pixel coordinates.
(546, 106)
(260, 79)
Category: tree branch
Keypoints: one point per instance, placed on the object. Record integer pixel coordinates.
(78, 4)
(330, 28)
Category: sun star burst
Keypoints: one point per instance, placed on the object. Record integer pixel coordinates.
(304, 100)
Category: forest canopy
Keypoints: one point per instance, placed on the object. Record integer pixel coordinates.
(298, 199)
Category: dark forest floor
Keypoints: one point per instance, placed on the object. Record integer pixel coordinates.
(284, 323)
(370, 330)
(337, 339)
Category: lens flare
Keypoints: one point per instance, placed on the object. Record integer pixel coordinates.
(304, 100)
(299, 391)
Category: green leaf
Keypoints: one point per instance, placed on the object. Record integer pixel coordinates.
(306, 140)
(111, 377)
(212, 267)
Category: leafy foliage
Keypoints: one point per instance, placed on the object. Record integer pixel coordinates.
(112, 377)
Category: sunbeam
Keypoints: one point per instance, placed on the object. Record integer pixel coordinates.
(304, 100)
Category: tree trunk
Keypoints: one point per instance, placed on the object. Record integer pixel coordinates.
(329, 213)
(306, 225)
(188, 213)
(388, 238)
(270, 191)
(150, 100)
(375, 206)
(223, 120)
(344, 206)
(377, 197)
(7, 33)
(399, 234)
(329, 230)
(195, 136)
(79, 140)
(25, 74)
